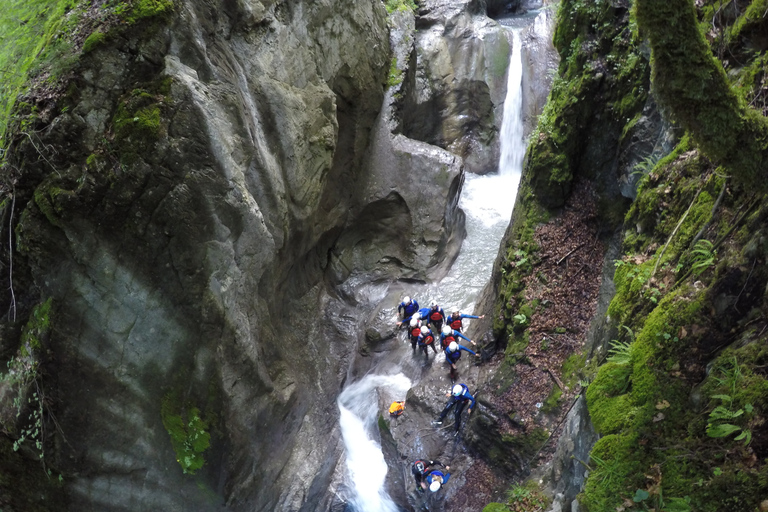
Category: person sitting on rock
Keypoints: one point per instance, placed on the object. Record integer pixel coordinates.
(426, 339)
(414, 332)
(420, 468)
(407, 308)
(460, 396)
(455, 319)
(436, 479)
(448, 335)
(436, 316)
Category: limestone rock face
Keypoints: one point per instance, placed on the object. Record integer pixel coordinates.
(455, 87)
(212, 238)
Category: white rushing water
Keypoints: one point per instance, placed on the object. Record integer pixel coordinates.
(487, 201)
(359, 409)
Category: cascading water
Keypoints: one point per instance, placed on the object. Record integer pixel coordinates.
(358, 410)
(488, 202)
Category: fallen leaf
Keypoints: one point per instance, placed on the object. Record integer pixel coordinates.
(658, 418)
(662, 405)
(683, 333)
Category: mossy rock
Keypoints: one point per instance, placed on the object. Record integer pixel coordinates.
(496, 507)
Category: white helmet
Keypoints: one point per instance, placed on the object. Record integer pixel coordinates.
(447, 330)
(457, 389)
(414, 322)
(425, 329)
(434, 486)
(407, 300)
(453, 347)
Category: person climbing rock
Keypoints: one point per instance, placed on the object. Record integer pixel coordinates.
(407, 308)
(460, 396)
(426, 339)
(436, 316)
(436, 479)
(454, 320)
(452, 355)
(414, 332)
(448, 335)
(420, 468)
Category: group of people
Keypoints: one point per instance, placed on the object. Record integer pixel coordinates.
(423, 326)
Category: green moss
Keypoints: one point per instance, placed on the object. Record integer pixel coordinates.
(610, 407)
(188, 431)
(498, 53)
(93, 40)
(573, 368)
(38, 327)
(400, 5)
(689, 80)
(552, 402)
(143, 9)
(395, 74)
(495, 507)
(616, 462)
(383, 426)
(139, 124)
(34, 39)
(752, 20)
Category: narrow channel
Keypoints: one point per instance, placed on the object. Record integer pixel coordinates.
(487, 202)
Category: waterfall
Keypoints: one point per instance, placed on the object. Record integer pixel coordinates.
(512, 143)
(358, 410)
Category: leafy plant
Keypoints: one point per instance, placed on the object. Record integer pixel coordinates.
(621, 351)
(646, 165)
(520, 319)
(719, 423)
(525, 499)
(717, 429)
(703, 256)
(189, 433)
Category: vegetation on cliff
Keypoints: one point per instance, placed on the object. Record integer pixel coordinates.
(680, 399)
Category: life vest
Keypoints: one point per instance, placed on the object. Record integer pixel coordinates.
(415, 332)
(448, 339)
(435, 315)
(455, 323)
(428, 339)
(397, 408)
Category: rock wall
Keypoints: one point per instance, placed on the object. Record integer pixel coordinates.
(456, 82)
(204, 230)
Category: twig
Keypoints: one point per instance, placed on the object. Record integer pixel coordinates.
(557, 381)
(746, 282)
(575, 399)
(570, 252)
(10, 258)
(680, 223)
(711, 215)
(41, 153)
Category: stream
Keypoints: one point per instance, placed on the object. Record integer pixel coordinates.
(487, 202)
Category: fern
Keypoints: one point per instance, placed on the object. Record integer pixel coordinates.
(703, 256)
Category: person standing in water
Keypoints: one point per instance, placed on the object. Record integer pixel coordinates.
(454, 320)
